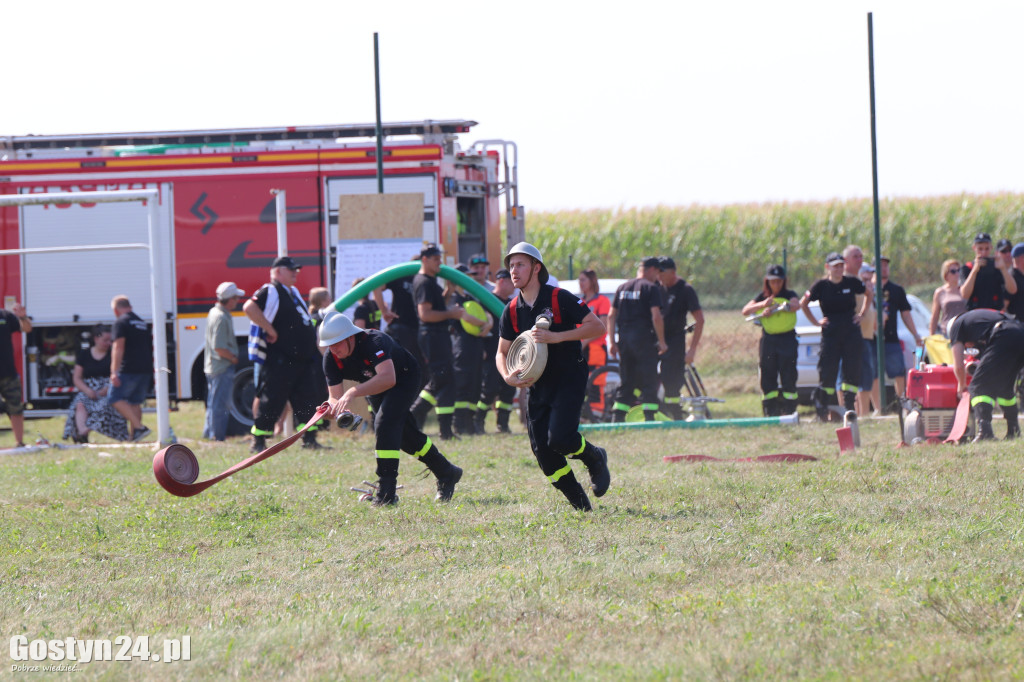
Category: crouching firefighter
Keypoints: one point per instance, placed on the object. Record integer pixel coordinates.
(389, 377)
(556, 397)
(1000, 342)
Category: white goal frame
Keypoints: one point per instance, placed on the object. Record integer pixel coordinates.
(150, 198)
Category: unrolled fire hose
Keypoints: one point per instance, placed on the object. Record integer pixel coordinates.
(526, 356)
(176, 467)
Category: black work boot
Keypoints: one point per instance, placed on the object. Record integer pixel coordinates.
(309, 441)
(770, 407)
(387, 480)
(1012, 425)
(502, 416)
(573, 491)
(446, 483)
(259, 444)
(983, 420)
(444, 421)
(596, 461)
(464, 422)
(478, 421)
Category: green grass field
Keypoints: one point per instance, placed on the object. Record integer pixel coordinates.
(887, 563)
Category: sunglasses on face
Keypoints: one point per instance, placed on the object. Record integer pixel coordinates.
(953, 271)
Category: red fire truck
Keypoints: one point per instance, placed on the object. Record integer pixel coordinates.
(219, 222)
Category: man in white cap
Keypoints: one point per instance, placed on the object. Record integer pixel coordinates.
(221, 356)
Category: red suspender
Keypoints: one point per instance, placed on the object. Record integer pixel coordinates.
(515, 318)
(554, 306)
(557, 313)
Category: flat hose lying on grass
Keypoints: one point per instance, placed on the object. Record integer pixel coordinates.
(526, 356)
(176, 467)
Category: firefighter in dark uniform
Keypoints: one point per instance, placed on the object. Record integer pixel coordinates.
(1000, 341)
(389, 377)
(636, 310)
(403, 323)
(291, 371)
(775, 307)
(555, 399)
(467, 363)
(986, 282)
(494, 390)
(680, 300)
(435, 342)
(840, 333)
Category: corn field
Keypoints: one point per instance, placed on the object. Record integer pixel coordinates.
(723, 250)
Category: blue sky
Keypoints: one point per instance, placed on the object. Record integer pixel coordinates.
(696, 102)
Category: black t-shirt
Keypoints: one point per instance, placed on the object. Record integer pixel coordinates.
(91, 367)
(634, 301)
(296, 334)
(138, 344)
(368, 312)
(371, 348)
(680, 300)
(1016, 302)
(9, 326)
(402, 303)
(571, 313)
(425, 289)
(838, 300)
(988, 286)
(975, 326)
(895, 300)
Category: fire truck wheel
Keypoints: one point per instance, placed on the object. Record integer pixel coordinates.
(242, 393)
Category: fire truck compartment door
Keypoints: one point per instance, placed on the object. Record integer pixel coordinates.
(59, 286)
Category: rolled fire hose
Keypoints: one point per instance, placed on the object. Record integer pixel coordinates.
(526, 356)
(176, 467)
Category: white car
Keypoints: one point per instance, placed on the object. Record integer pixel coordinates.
(809, 338)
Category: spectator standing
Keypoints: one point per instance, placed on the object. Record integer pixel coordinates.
(11, 322)
(986, 282)
(467, 360)
(776, 307)
(636, 334)
(869, 394)
(131, 365)
(895, 303)
(595, 350)
(291, 371)
(840, 333)
(680, 300)
(402, 320)
(367, 314)
(220, 360)
(1015, 307)
(947, 302)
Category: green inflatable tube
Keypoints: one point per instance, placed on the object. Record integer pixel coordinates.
(698, 424)
(472, 287)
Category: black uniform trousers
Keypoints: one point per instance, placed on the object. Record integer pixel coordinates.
(840, 340)
(407, 337)
(638, 370)
(995, 376)
(672, 372)
(553, 419)
(778, 373)
(467, 362)
(439, 391)
(299, 381)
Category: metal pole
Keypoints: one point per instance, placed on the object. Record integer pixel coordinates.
(880, 336)
(380, 129)
(282, 221)
(163, 425)
(570, 268)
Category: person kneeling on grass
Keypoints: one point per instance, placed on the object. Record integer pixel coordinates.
(389, 377)
(555, 399)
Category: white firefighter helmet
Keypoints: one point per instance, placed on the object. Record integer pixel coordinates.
(336, 327)
(533, 252)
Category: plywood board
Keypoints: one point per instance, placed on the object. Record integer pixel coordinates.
(380, 216)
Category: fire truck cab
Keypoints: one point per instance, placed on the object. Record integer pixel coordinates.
(219, 222)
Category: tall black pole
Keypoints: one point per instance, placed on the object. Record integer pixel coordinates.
(879, 301)
(380, 129)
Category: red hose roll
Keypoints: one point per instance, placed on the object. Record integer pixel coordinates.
(176, 467)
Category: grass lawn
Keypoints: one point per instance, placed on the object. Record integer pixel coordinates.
(889, 563)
